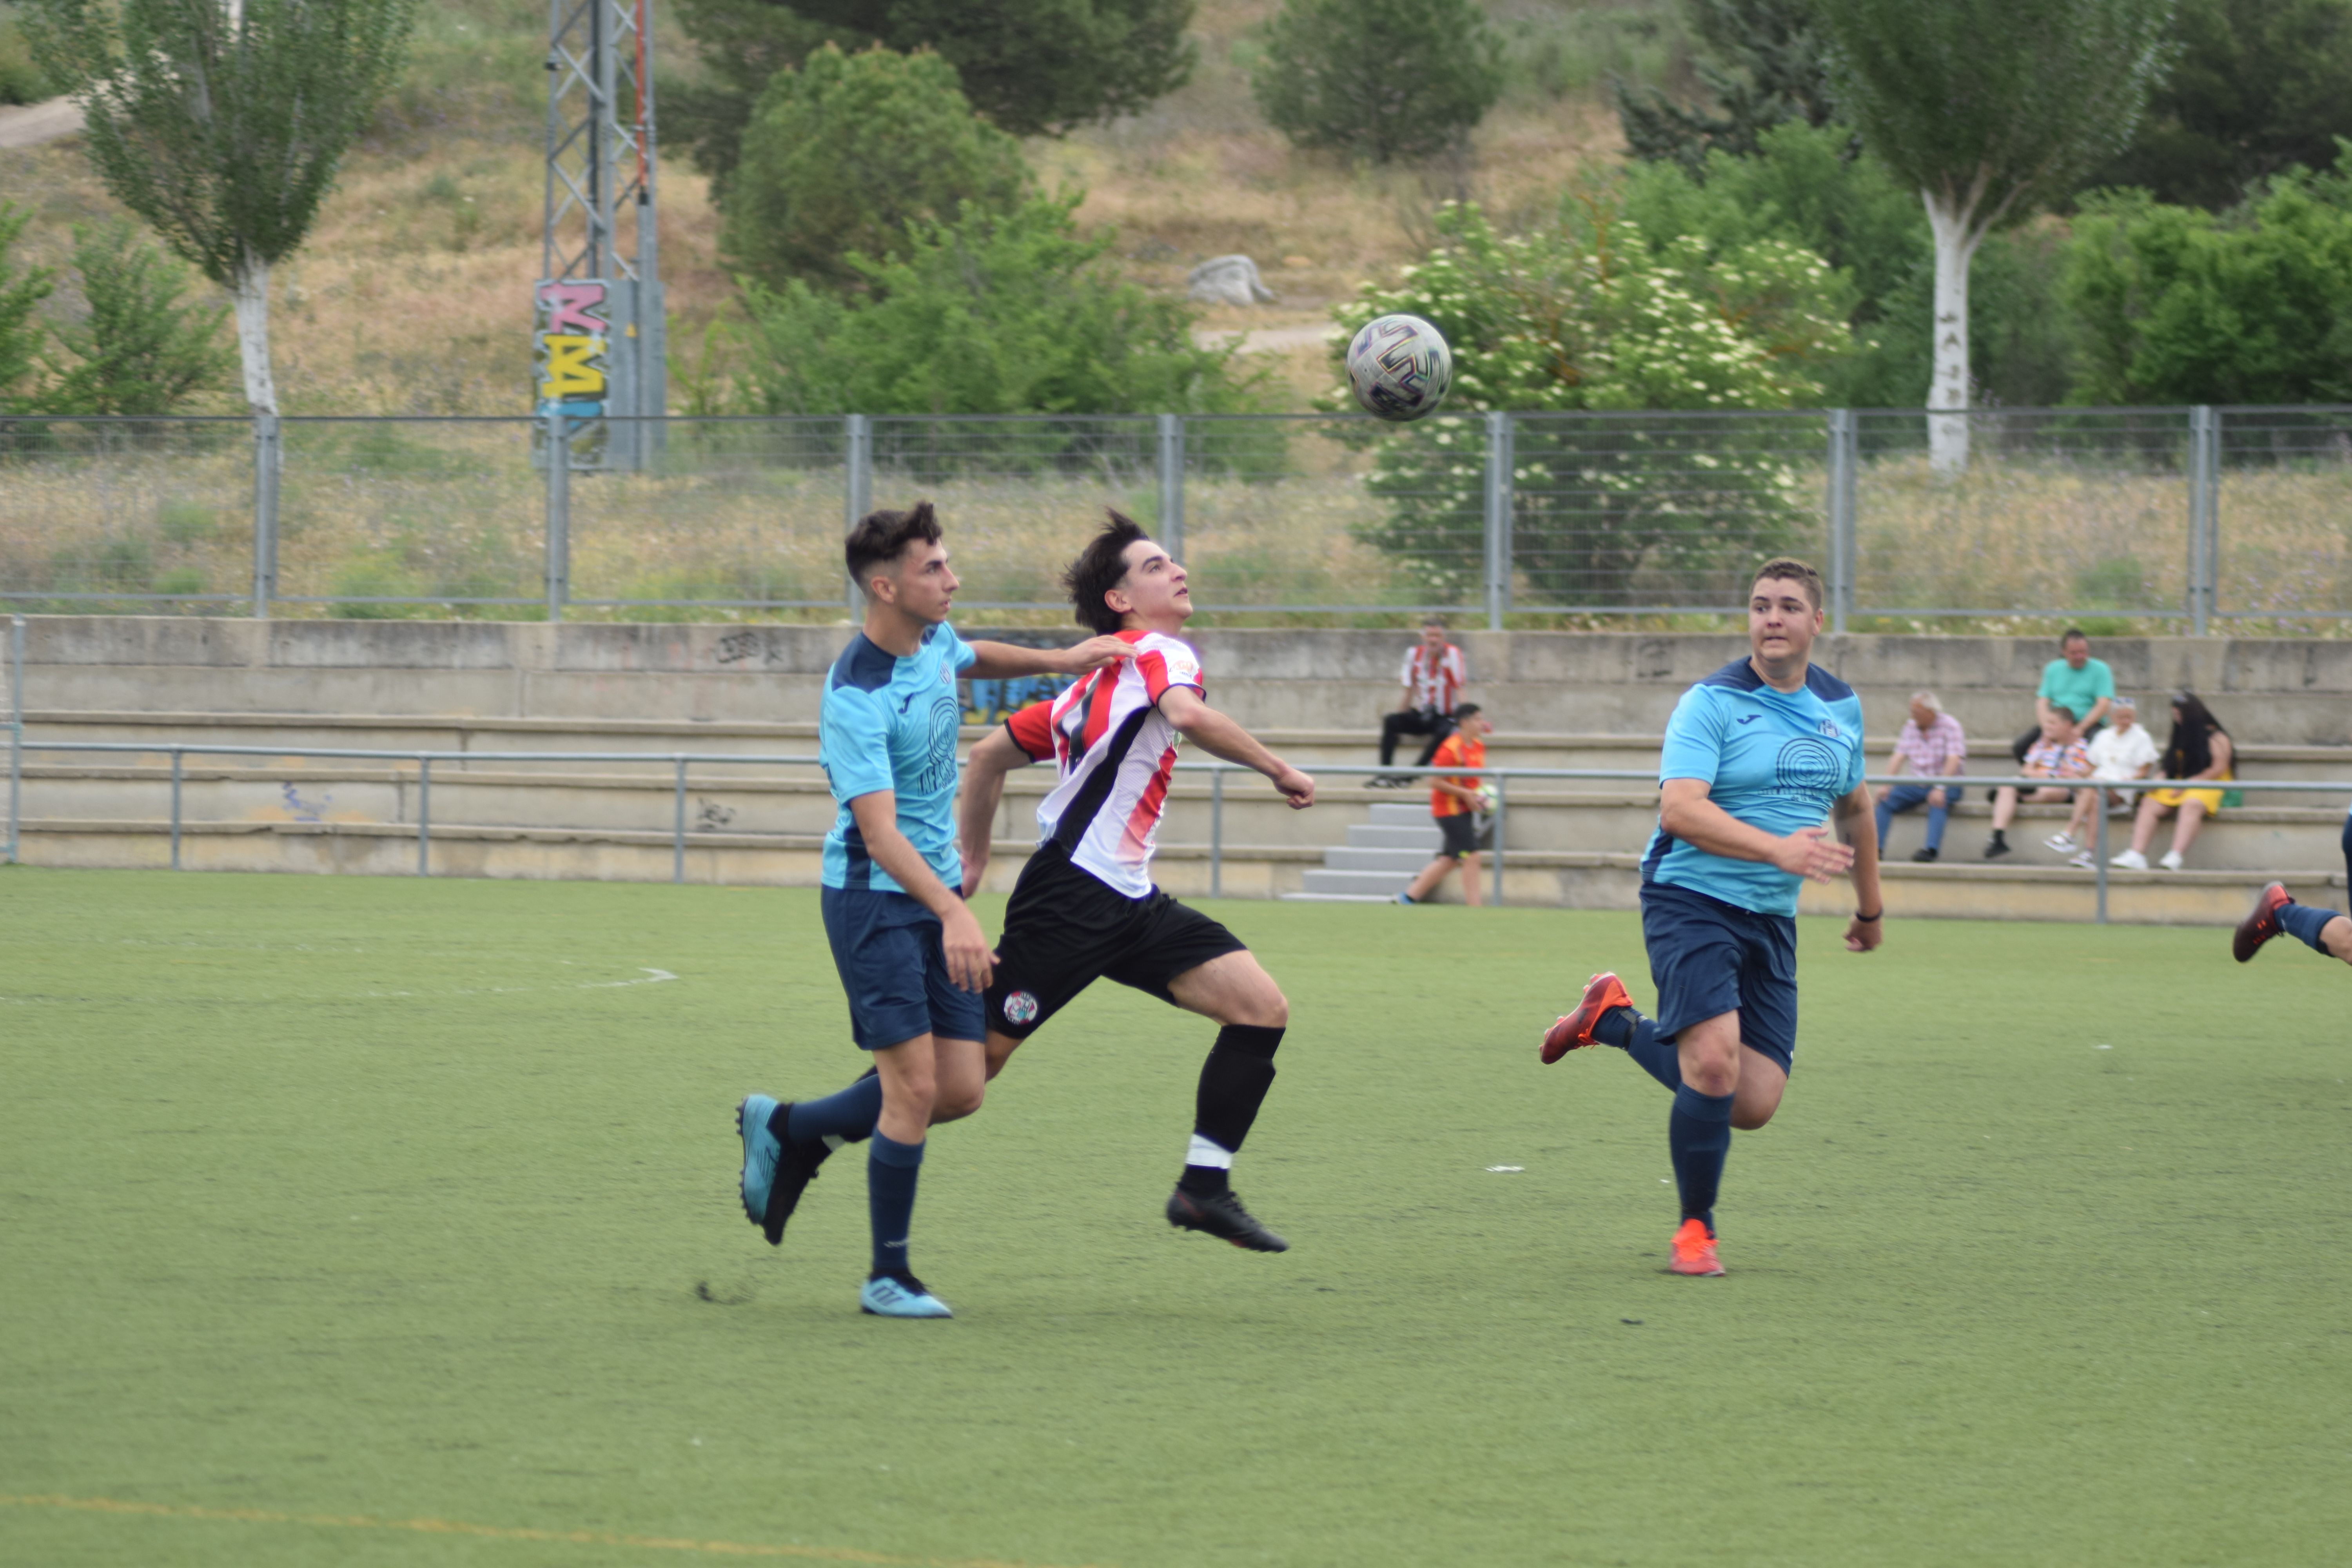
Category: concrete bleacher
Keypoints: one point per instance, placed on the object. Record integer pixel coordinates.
(1570, 843)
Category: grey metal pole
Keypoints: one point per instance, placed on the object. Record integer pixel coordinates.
(2099, 853)
(175, 808)
(559, 513)
(1840, 516)
(1217, 833)
(424, 816)
(2204, 463)
(858, 483)
(1502, 805)
(1172, 485)
(1497, 517)
(266, 453)
(15, 730)
(678, 827)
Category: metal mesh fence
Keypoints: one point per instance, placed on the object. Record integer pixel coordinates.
(145, 515)
(2140, 517)
(2056, 511)
(2284, 516)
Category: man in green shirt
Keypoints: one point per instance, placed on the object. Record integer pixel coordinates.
(2076, 682)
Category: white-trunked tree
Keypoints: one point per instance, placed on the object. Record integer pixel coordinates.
(1991, 109)
(222, 123)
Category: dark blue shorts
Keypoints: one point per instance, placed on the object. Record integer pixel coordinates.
(1709, 957)
(886, 947)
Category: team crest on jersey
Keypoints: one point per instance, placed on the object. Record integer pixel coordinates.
(1020, 1007)
(1829, 727)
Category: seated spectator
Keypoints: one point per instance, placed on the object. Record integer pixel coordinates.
(1453, 802)
(1432, 676)
(2057, 755)
(2200, 750)
(2075, 681)
(1932, 746)
(2121, 752)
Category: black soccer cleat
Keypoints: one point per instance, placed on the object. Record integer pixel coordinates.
(1224, 1217)
(796, 1167)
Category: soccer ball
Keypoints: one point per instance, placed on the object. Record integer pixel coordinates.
(1486, 798)
(1399, 367)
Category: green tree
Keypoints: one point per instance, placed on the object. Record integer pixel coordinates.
(21, 331)
(141, 350)
(1762, 63)
(988, 314)
(222, 123)
(2176, 305)
(842, 152)
(21, 80)
(2256, 86)
(1989, 110)
(1029, 67)
(1377, 80)
(1583, 315)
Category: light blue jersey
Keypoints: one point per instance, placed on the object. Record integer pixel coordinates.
(1774, 759)
(890, 723)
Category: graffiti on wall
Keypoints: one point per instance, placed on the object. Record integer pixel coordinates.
(572, 336)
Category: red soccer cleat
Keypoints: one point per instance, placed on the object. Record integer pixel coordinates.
(1573, 1033)
(2261, 925)
(1694, 1250)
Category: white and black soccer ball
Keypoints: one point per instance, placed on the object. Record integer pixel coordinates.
(1400, 367)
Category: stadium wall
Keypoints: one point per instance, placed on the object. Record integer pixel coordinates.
(2267, 691)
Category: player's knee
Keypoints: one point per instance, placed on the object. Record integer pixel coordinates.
(955, 1104)
(1267, 1009)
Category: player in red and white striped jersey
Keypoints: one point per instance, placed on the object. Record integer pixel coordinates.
(1084, 907)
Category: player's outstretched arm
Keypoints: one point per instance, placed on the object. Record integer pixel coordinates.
(966, 950)
(1857, 823)
(994, 756)
(1685, 811)
(1221, 737)
(1002, 661)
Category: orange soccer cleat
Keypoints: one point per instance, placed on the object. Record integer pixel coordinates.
(1694, 1250)
(1574, 1032)
(2261, 925)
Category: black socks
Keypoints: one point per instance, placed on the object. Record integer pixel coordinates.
(1234, 1082)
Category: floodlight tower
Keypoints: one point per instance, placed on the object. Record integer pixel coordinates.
(598, 319)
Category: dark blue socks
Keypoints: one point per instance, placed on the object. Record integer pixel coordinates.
(1638, 1037)
(2304, 923)
(1698, 1135)
(890, 1171)
(849, 1115)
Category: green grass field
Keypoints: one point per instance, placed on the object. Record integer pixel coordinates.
(376, 1222)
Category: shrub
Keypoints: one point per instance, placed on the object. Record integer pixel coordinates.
(139, 350)
(21, 331)
(841, 153)
(1582, 315)
(1377, 80)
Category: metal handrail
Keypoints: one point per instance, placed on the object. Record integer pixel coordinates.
(1217, 769)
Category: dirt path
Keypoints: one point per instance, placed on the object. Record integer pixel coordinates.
(1265, 340)
(28, 125)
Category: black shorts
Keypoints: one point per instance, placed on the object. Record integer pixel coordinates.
(1065, 929)
(1458, 834)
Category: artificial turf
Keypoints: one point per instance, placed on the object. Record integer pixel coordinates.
(370, 1222)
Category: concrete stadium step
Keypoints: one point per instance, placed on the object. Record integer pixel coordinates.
(1369, 884)
(1385, 835)
(1405, 860)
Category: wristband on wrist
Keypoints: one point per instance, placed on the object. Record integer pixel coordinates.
(1870, 920)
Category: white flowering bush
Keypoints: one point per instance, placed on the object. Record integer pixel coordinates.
(1583, 316)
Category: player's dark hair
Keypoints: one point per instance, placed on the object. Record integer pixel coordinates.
(2074, 634)
(1429, 621)
(1464, 711)
(1100, 567)
(1792, 570)
(881, 537)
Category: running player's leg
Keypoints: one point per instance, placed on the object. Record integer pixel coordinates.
(1235, 989)
(2275, 914)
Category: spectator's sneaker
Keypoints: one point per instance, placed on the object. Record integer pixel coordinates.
(1386, 780)
(2261, 925)
(1574, 1032)
(900, 1296)
(760, 1148)
(2061, 843)
(1222, 1217)
(1695, 1250)
(1926, 857)
(1407, 899)
(1995, 849)
(2084, 861)
(2170, 860)
(2131, 860)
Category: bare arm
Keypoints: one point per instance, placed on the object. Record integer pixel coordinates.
(1001, 661)
(1221, 737)
(1857, 823)
(2223, 753)
(1900, 765)
(984, 788)
(2098, 711)
(876, 814)
(1685, 811)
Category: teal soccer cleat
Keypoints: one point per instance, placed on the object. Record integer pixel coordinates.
(761, 1149)
(900, 1296)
